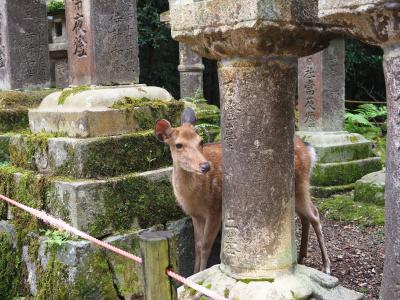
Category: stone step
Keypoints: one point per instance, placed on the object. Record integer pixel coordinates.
(327, 191)
(13, 119)
(99, 207)
(342, 173)
(338, 146)
(371, 188)
(89, 158)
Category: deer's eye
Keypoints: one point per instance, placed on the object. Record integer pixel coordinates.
(178, 146)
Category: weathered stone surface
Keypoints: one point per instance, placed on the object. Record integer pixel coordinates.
(102, 42)
(334, 147)
(329, 174)
(61, 73)
(222, 28)
(258, 236)
(372, 21)
(327, 191)
(89, 158)
(321, 81)
(391, 280)
(24, 53)
(303, 283)
(90, 113)
(4, 152)
(101, 207)
(371, 188)
(191, 71)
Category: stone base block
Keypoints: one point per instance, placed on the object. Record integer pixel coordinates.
(331, 174)
(340, 146)
(371, 188)
(89, 158)
(4, 152)
(303, 283)
(327, 191)
(91, 112)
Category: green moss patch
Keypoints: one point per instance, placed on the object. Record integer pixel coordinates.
(343, 173)
(13, 119)
(23, 99)
(146, 111)
(343, 208)
(135, 199)
(369, 193)
(4, 152)
(72, 91)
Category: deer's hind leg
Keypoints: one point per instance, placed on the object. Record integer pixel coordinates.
(306, 209)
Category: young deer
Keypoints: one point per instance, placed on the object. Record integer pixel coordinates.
(197, 184)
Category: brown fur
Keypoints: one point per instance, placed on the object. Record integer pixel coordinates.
(200, 195)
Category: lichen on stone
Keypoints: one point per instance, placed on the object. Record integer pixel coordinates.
(71, 91)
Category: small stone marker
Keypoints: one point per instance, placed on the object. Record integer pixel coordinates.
(321, 89)
(102, 42)
(24, 52)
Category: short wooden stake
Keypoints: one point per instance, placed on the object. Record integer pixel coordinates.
(158, 250)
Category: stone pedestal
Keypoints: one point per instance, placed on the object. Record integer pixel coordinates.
(258, 133)
(343, 158)
(24, 53)
(191, 71)
(102, 42)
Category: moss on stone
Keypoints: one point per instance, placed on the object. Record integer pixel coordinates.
(4, 152)
(15, 119)
(327, 191)
(135, 199)
(72, 91)
(369, 193)
(344, 153)
(23, 99)
(9, 266)
(343, 173)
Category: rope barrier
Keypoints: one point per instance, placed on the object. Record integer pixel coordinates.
(61, 225)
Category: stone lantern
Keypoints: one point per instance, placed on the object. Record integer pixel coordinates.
(257, 44)
(377, 22)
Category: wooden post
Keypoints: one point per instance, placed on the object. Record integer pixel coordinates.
(158, 250)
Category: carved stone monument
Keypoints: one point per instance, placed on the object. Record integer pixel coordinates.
(191, 71)
(257, 45)
(343, 158)
(24, 53)
(102, 42)
(378, 22)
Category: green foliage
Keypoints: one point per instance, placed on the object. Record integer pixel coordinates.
(364, 71)
(56, 238)
(55, 6)
(71, 91)
(343, 208)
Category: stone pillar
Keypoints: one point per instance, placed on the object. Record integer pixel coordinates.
(102, 42)
(391, 275)
(191, 71)
(24, 53)
(321, 80)
(258, 184)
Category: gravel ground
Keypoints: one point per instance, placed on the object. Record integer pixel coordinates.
(356, 254)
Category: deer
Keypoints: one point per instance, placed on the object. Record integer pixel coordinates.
(197, 185)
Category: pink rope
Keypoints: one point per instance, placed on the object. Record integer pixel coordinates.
(66, 227)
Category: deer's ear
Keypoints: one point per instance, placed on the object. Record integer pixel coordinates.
(188, 116)
(163, 130)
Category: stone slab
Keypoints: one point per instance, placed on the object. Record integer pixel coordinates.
(103, 42)
(330, 174)
(90, 113)
(321, 86)
(327, 191)
(371, 188)
(91, 157)
(303, 283)
(101, 207)
(338, 146)
(24, 53)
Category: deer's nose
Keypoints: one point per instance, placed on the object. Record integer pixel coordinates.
(205, 167)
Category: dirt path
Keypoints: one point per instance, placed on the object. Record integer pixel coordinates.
(356, 254)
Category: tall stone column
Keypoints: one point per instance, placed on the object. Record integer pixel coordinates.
(191, 71)
(257, 45)
(377, 22)
(102, 42)
(24, 52)
(391, 275)
(257, 120)
(343, 157)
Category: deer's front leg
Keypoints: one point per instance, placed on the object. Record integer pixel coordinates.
(211, 229)
(198, 226)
